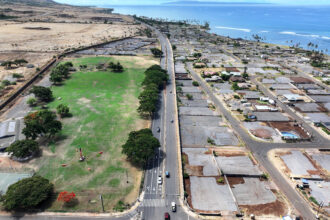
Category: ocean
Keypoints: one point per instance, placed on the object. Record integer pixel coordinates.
(285, 25)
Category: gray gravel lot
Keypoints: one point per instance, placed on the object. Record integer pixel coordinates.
(323, 160)
(193, 136)
(213, 121)
(207, 195)
(197, 157)
(237, 165)
(253, 192)
(197, 111)
(297, 163)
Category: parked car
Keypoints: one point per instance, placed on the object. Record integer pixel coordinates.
(160, 180)
(167, 216)
(173, 205)
(167, 174)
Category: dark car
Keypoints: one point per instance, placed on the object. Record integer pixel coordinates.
(158, 129)
(167, 174)
(167, 216)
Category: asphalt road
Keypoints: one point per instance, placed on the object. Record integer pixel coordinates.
(260, 150)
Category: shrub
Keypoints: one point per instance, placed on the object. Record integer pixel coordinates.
(195, 83)
(66, 197)
(31, 102)
(156, 52)
(42, 93)
(185, 175)
(265, 176)
(314, 200)
(5, 82)
(27, 194)
(120, 206)
(210, 141)
(237, 97)
(63, 110)
(17, 75)
(189, 96)
(220, 180)
(23, 148)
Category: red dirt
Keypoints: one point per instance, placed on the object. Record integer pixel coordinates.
(235, 181)
(288, 126)
(276, 208)
(262, 133)
(194, 170)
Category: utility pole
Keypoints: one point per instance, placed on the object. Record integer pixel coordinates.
(126, 177)
(101, 198)
(318, 210)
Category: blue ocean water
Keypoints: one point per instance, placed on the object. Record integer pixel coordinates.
(286, 25)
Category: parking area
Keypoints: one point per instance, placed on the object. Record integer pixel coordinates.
(7, 179)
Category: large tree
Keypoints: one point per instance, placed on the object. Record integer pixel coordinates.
(140, 146)
(27, 194)
(23, 148)
(41, 123)
(148, 100)
(42, 93)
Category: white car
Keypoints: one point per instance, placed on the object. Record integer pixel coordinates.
(160, 180)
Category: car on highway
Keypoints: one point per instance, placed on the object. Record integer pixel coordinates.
(167, 216)
(167, 174)
(160, 180)
(172, 121)
(173, 206)
(158, 129)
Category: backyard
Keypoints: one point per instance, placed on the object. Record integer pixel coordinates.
(103, 106)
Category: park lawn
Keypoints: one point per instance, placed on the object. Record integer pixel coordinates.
(103, 107)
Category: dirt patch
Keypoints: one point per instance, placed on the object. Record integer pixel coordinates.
(276, 208)
(194, 170)
(133, 195)
(289, 126)
(235, 181)
(229, 153)
(262, 133)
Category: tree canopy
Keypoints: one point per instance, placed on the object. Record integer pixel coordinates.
(27, 194)
(60, 72)
(116, 67)
(23, 148)
(140, 146)
(42, 93)
(155, 78)
(42, 122)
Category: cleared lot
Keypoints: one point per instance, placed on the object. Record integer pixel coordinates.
(186, 120)
(197, 111)
(253, 192)
(208, 195)
(193, 136)
(298, 163)
(237, 165)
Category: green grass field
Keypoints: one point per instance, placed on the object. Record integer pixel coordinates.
(103, 107)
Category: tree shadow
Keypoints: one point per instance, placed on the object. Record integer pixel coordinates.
(156, 160)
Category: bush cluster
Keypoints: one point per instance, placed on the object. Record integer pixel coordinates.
(60, 72)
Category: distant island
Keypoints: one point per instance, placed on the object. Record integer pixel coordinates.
(210, 3)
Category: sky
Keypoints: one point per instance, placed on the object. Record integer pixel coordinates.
(156, 2)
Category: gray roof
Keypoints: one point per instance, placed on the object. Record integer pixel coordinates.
(283, 80)
(7, 128)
